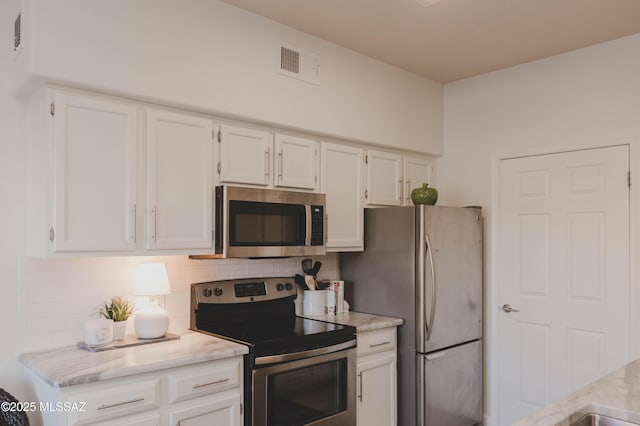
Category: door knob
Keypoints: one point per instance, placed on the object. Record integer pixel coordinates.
(507, 308)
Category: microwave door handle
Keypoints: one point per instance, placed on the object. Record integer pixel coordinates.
(308, 224)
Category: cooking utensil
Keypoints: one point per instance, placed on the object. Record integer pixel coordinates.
(307, 266)
(299, 279)
(310, 281)
(316, 268)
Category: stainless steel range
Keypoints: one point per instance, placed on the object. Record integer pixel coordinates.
(298, 371)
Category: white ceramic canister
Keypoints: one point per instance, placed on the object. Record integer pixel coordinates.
(313, 302)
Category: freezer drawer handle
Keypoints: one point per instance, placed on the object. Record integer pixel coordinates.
(437, 355)
(508, 309)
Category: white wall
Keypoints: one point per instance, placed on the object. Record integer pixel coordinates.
(584, 98)
(13, 202)
(58, 295)
(209, 56)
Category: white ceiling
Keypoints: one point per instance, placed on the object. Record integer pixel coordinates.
(451, 39)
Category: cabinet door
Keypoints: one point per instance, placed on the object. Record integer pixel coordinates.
(341, 181)
(94, 189)
(219, 410)
(384, 178)
(296, 162)
(245, 156)
(179, 181)
(145, 419)
(416, 172)
(376, 397)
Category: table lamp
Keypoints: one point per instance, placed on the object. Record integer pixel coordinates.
(152, 321)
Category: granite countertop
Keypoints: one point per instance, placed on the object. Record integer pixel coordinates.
(69, 365)
(361, 321)
(616, 394)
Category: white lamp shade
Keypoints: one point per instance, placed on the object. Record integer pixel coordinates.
(152, 280)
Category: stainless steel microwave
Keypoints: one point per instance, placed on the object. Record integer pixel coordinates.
(253, 222)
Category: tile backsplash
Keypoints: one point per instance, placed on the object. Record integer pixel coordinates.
(58, 295)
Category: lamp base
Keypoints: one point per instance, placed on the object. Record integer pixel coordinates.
(151, 322)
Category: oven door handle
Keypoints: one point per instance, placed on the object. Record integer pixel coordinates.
(273, 359)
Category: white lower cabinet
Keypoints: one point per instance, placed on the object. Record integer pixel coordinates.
(377, 378)
(208, 393)
(223, 410)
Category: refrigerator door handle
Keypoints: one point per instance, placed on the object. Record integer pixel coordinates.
(429, 323)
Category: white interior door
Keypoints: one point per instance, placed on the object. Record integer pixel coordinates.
(564, 265)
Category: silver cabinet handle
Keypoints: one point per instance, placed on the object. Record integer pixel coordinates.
(132, 218)
(119, 404)
(266, 163)
(408, 189)
(400, 190)
(429, 324)
(375, 345)
(360, 378)
(280, 165)
(508, 309)
(217, 382)
(155, 225)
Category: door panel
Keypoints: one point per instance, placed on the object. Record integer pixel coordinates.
(416, 172)
(179, 181)
(95, 147)
(455, 235)
(564, 265)
(453, 386)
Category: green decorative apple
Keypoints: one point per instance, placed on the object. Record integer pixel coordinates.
(424, 195)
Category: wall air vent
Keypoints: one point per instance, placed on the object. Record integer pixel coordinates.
(17, 33)
(289, 60)
(299, 64)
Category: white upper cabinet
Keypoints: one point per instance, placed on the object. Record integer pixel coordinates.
(341, 180)
(245, 156)
(179, 186)
(296, 163)
(416, 172)
(95, 143)
(252, 157)
(384, 178)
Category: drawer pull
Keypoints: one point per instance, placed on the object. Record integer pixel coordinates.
(119, 404)
(210, 383)
(380, 344)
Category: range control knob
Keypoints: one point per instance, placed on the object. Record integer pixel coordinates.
(207, 292)
(288, 286)
(280, 286)
(217, 291)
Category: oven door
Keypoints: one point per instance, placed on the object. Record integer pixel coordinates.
(314, 390)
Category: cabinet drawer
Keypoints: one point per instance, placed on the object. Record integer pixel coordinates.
(113, 401)
(205, 379)
(376, 341)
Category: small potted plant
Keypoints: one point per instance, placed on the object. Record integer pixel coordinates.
(118, 309)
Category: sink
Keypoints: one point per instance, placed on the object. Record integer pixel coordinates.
(600, 420)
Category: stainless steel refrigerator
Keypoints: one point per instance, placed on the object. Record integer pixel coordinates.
(424, 264)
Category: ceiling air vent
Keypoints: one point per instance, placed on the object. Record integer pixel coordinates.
(299, 64)
(17, 32)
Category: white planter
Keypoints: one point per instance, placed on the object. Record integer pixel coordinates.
(119, 330)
